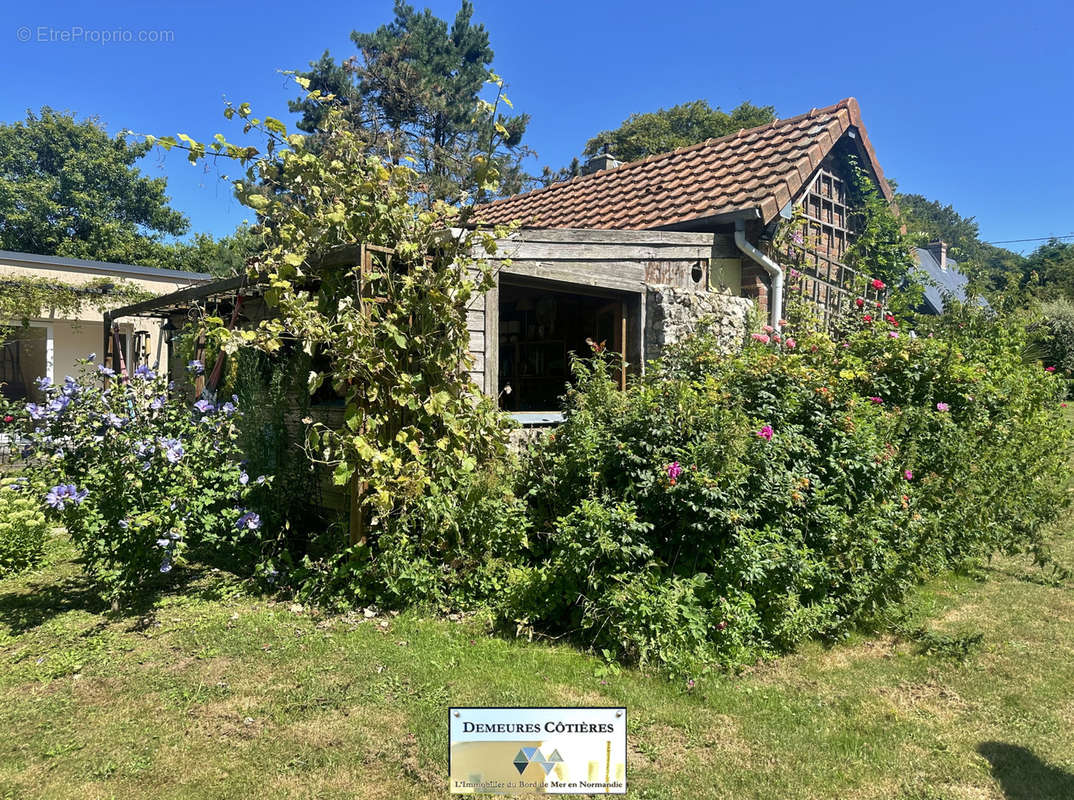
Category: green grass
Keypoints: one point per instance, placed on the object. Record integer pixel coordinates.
(210, 692)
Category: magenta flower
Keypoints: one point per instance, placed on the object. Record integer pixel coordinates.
(942, 407)
(893, 334)
(760, 337)
(909, 475)
(1049, 369)
(674, 471)
(765, 433)
(791, 344)
(877, 400)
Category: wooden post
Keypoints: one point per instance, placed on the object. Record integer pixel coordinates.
(123, 377)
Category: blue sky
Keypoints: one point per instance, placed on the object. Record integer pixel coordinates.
(966, 103)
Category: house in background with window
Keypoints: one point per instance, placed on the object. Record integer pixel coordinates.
(52, 345)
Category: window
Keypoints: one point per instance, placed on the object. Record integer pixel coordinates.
(24, 357)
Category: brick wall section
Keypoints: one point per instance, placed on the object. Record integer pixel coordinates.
(755, 283)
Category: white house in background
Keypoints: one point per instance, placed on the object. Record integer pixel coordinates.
(52, 345)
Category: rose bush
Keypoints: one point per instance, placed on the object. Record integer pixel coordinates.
(747, 502)
(138, 474)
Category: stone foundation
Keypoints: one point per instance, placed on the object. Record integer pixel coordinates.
(672, 313)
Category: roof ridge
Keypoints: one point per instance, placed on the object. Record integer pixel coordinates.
(844, 103)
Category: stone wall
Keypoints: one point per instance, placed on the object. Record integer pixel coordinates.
(672, 313)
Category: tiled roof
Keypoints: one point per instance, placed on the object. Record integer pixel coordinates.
(759, 168)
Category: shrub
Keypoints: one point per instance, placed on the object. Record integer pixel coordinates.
(22, 528)
(731, 506)
(1055, 335)
(138, 475)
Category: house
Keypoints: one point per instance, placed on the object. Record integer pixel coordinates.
(633, 255)
(52, 343)
(613, 230)
(944, 279)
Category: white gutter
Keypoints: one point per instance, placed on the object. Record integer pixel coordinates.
(775, 302)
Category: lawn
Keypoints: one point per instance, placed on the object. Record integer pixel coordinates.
(212, 692)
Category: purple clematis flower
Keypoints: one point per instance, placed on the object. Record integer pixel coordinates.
(196, 367)
(204, 406)
(59, 496)
(173, 450)
(36, 412)
(249, 521)
(43, 384)
(108, 372)
(145, 373)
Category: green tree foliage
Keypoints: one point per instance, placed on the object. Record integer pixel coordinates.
(1048, 272)
(222, 257)
(412, 92)
(68, 189)
(659, 131)
(926, 220)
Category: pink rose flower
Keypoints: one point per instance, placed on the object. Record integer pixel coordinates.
(765, 433)
(942, 407)
(908, 475)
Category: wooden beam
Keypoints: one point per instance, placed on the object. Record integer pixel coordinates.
(492, 340)
(600, 252)
(182, 296)
(619, 275)
(595, 236)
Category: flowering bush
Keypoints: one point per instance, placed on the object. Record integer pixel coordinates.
(137, 474)
(782, 494)
(22, 528)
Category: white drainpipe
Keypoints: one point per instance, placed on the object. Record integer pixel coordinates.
(775, 302)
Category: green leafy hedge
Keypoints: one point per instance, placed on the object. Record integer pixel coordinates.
(728, 507)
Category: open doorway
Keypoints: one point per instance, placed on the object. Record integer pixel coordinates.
(539, 328)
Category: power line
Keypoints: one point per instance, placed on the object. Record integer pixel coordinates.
(1036, 239)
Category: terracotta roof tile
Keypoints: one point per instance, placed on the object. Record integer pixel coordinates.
(759, 168)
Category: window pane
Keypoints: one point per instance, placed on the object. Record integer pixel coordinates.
(22, 359)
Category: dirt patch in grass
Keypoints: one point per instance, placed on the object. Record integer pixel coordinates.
(579, 696)
(931, 699)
